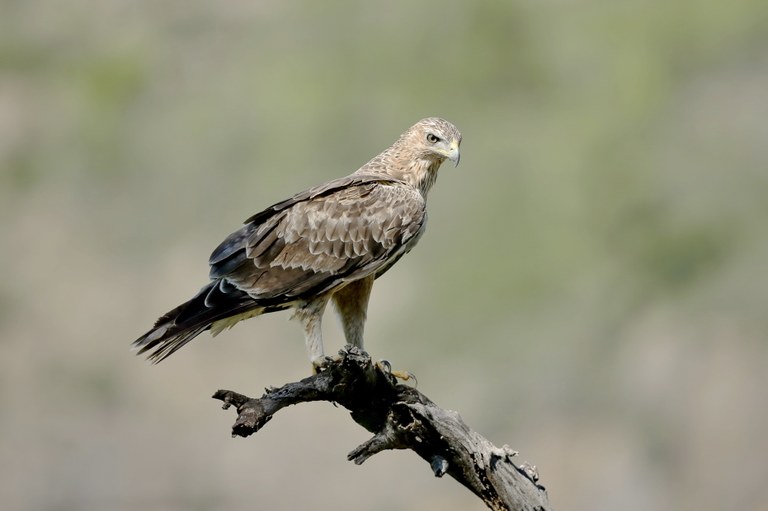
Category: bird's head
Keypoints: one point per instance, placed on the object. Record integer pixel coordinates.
(418, 153)
(435, 139)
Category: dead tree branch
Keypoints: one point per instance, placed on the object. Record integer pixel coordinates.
(401, 417)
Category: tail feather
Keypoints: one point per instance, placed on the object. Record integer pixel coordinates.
(214, 302)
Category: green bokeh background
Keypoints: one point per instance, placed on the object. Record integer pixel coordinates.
(591, 289)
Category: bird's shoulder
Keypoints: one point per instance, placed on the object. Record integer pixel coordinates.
(347, 187)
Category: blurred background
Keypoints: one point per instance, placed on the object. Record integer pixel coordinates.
(591, 290)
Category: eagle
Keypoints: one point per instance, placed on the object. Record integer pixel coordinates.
(327, 243)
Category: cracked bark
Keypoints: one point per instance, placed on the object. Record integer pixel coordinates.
(401, 417)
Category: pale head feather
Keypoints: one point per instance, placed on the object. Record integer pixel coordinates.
(418, 153)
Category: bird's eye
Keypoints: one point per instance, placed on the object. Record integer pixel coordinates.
(433, 139)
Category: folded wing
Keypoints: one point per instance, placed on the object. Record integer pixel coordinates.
(316, 244)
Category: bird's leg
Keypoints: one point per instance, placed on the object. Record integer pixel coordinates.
(310, 315)
(351, 303)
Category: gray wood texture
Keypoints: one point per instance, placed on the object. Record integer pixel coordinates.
(401, 417)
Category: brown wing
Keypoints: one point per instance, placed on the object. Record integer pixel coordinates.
(319, 240)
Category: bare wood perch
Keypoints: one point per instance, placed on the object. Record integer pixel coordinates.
(401, 417)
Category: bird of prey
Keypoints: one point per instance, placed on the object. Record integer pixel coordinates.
(326, 243)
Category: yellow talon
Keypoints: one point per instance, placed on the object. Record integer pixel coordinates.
(386, 368)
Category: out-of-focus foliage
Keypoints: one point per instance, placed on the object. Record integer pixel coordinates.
(591, 290)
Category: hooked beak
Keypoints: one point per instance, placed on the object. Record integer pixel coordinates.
(454, 155)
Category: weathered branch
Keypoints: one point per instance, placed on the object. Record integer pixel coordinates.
(401, 417)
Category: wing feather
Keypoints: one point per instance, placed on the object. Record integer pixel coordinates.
(320, 239)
